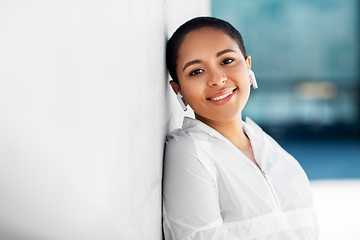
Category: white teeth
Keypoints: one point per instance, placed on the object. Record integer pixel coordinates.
(221, 97)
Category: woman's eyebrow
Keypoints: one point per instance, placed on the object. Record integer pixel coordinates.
(191, 63)
(224, 51)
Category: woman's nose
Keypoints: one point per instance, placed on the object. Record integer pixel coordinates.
(217, 78)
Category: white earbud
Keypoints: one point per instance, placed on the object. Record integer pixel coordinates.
(181, 101)
(253, 79)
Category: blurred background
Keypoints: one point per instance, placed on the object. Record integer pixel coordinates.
(306, 58)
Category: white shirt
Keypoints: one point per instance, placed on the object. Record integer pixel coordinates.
(212, 190)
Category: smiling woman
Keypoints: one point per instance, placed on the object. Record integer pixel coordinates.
(225, 178)
(213, 75)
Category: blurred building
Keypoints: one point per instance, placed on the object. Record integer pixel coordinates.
(305, 55)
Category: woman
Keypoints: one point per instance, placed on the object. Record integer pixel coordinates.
(225, 178)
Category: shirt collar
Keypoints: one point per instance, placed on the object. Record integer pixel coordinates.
(190, 123)
(252, 130)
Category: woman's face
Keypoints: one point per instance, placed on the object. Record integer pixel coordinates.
(213, 75)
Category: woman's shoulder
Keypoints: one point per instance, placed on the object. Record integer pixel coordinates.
(187, 149)
(179, 141)
(190, 144)
(186, 138)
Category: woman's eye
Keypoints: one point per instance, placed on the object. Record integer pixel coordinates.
(195, 72)
(227, 61)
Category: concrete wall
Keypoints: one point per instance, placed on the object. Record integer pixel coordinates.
(84, 109)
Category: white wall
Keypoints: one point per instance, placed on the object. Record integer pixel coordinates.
(84, 109)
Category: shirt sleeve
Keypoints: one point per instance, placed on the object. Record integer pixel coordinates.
(190, 196)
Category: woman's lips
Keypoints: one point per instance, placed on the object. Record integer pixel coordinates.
(218, 97)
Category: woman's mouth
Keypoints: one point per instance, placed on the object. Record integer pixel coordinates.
(222, 96)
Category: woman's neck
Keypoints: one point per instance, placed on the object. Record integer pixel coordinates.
(231, 129)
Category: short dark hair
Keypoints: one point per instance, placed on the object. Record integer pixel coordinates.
(174, 43)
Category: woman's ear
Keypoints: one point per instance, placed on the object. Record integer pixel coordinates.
(248, 61)
(175, 86)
